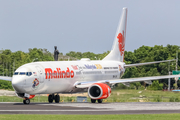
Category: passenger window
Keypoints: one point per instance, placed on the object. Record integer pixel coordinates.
(29, 73)
(16, 73)
(22, 73)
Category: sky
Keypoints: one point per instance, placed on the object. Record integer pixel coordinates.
(86, 25)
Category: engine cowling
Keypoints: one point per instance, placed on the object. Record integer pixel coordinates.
(31, 96)
(24, 95)
(99, 91)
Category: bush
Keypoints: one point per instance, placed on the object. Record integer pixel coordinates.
(177, 100)
(5, 85)
(135, 85)
(69, 99)
(141, 88)
(158, 99)
(172, 99)
(155, 86)
(121, 86)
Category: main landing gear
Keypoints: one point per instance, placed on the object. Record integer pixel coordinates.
(26, 101)
(53, 97)
(94, 101)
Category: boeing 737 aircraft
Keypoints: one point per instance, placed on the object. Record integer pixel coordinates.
(93, 76)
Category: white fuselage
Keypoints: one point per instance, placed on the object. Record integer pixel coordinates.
(60, 76)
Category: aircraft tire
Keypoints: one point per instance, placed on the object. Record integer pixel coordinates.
(26, 101)
(57, 98)
(100, 100)
(93, 101)
(50, 98)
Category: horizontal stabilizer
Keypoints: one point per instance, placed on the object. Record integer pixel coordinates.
(6, 78)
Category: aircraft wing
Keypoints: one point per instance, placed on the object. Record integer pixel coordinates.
(147, 63)
(127, 80)
(6, 78)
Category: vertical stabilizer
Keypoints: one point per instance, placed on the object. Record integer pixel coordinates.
(117, 52)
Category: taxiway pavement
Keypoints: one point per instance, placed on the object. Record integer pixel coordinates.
(90, 108)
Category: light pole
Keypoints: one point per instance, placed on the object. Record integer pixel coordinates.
(169, 82)
(176, 60)
(3, 68)
(176, 79)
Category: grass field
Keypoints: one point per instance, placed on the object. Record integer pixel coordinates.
(116, 96)
(143, 96)
(92, 117)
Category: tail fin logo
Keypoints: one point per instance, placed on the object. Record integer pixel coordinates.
(121, 41)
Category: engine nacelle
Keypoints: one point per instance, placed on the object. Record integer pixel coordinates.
(99, 91)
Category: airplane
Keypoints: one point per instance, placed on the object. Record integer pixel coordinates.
(96, 77)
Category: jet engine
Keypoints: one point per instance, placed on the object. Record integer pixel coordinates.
(99, 91)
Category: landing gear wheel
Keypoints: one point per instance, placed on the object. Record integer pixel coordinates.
(57, 98)
(100, 100)
(26, 101)
(93, 101)
(50, 98)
